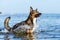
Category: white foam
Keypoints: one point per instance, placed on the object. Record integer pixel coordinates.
(4, 30)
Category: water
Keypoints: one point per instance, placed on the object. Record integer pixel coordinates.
(49, 27)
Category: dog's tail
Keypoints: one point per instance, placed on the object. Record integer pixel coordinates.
(6, 24)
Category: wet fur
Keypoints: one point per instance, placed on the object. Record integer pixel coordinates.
(29, 21)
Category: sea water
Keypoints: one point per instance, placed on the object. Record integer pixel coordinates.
(48, 29)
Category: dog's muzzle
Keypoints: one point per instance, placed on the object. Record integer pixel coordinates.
(37, 15)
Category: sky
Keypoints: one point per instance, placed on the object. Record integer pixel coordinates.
(23, 6)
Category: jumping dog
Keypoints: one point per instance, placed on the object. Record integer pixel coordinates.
(27, 26)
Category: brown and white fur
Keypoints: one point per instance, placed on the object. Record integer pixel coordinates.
(27, 26)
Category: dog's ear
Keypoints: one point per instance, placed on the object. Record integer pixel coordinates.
(31, 9)
(36, 9)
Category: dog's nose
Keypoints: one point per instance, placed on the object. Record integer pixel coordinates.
(40, 13)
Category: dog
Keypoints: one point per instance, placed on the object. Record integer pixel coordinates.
(27, 26)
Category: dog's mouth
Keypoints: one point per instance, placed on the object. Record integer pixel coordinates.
(37, 15)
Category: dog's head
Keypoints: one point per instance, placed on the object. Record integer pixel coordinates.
(34, 13)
